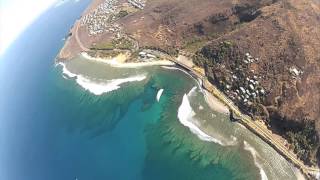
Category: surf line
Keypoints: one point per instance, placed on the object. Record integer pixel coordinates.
(99, 87)
(255, 154)
(159, 94)
(186, 115)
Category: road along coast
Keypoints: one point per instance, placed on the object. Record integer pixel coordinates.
(217, 101)
(81, 40)
(257, 128)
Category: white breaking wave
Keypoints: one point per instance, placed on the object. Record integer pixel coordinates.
(98, 88)
(66, 71)
(254, 153)
(101, 87)
(64, 76)
(159, 94)
(234, 140)
(192, 92)
(170, 67)
(185, 116)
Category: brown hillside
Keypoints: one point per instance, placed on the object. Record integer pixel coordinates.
(263, 54)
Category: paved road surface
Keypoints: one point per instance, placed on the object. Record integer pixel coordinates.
(264, 133)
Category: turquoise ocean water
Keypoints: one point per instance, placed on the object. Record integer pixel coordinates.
(102, 122)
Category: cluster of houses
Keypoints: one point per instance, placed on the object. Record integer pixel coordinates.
(250, 88)
(250, 91)
(137, 3)
(146, 56)
(249, 59)
(295, 72)
(100, 20)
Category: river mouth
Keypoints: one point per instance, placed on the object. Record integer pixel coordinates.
(178, 131)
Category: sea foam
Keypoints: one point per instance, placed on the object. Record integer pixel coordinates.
(99, 87)
(159, 94)
(65, 71)
(254, 153)
(192, 92)
(185, 116)
(170, 67)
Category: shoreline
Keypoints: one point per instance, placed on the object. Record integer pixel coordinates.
(202, 134)
(216, 104)
(74, 46)
(119, 61)
(211, 97)
(265, 134)
(216, 101)
(213, 102)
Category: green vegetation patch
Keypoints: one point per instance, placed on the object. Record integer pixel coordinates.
(304, 142)
(214, 55)
(121, 43)
(172, 51)
(195, 43)
(122, 14)
(104, 46)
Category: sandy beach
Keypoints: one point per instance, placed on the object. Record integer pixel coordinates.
(79, 42)
(214, 103)
(260, 130)
(120, 61)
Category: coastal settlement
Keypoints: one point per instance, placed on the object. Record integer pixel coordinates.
(109, 28)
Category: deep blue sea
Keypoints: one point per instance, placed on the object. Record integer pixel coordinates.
(55, 127)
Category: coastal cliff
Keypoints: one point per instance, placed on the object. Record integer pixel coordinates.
(264, 55)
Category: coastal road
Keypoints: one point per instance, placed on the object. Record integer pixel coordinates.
(247, 121)
(264, 133)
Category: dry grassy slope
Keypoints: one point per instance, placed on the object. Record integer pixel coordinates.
(285, 34)
(282, 33)
(169, 23)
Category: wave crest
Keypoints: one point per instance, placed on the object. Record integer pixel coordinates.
(99, 87)
(185, 115)
(254, 153)
(159, 94)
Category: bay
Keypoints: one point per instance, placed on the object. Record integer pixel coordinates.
(53, 127)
